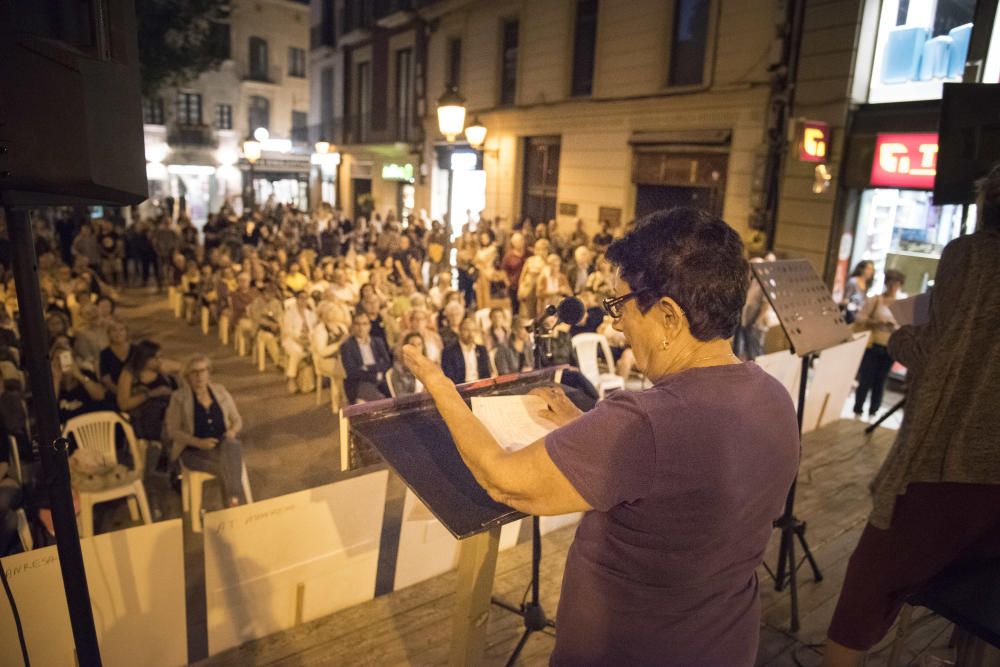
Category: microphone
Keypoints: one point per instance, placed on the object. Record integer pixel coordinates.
(570, 310)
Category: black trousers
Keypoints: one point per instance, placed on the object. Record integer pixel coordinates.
(875, 366)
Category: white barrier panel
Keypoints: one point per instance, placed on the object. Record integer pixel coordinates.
(786, 368)
(277, 563)
(832, 379)
(136, 581)
(427, 549)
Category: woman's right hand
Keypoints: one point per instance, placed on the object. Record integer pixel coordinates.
(205, 443)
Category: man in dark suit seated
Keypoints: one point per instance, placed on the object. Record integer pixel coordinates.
(465, 361)
(365, 359)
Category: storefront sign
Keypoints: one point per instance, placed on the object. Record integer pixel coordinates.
(905, 161)
(397, 172)
(814, 141)
(565, 208)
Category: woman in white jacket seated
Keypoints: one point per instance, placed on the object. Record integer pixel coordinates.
(297, 324)
(325, 340)
(203, 426)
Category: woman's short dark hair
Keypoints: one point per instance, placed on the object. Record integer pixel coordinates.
(143, 351)
(694, 258)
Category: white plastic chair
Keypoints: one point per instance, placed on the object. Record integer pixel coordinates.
(15, 460)
(96, 431)
(343, 429)
(483, 319)
(390, 376)
(174, 301)
(206, 319)
(224, 329)
(23, 529)
(586, 347)
(336, 386)
(192, 487)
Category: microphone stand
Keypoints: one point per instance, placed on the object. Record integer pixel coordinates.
(531, 609)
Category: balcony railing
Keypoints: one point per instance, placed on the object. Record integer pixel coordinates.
(271, 75)
(192, 135)
(360, 129)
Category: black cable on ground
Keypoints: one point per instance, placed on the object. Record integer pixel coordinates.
(17, 617)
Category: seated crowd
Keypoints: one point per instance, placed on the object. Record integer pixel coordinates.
(326, 298)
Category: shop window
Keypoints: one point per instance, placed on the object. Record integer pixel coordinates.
(904, 230)
(920, 44)
(991, 71)
(690, 42)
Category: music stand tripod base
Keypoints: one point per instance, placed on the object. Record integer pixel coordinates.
(531, 611)
(812, 322)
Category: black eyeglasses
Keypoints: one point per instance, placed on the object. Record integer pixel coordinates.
(613, 305)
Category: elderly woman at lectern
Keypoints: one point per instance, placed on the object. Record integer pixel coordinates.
(680, 482)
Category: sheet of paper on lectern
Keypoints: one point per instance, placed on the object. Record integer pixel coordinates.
(512, 420)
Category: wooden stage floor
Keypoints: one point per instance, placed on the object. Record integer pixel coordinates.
(412, 626)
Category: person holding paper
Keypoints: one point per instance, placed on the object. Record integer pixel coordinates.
(680, 483)
(936, 499)
(876, 317)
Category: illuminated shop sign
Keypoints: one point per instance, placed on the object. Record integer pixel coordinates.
(814, 141)
(397, 172)
(905, 161)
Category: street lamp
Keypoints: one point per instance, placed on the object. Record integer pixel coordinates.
(475, 133)
(252, 151)
(451, 114)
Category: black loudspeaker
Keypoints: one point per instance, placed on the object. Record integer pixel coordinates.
(70, 103)
(968, 140)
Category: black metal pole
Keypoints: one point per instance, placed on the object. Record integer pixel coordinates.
(253, 189)
(52, 448)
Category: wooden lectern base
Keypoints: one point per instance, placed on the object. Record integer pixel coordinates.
(477, 564)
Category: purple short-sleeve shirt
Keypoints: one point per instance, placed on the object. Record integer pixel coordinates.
(685, 479)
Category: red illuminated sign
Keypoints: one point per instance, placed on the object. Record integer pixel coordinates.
(905, 161)
(814, 141)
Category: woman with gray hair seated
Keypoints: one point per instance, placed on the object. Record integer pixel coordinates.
(203, 425)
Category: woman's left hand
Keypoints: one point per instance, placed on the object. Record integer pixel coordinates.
(425, 370)
(230, 434)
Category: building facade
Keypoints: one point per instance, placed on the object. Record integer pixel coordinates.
(594, 110)
(194, 132)
(874, 72)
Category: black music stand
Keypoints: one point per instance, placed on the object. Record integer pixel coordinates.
(412, 438)
(812, 322)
